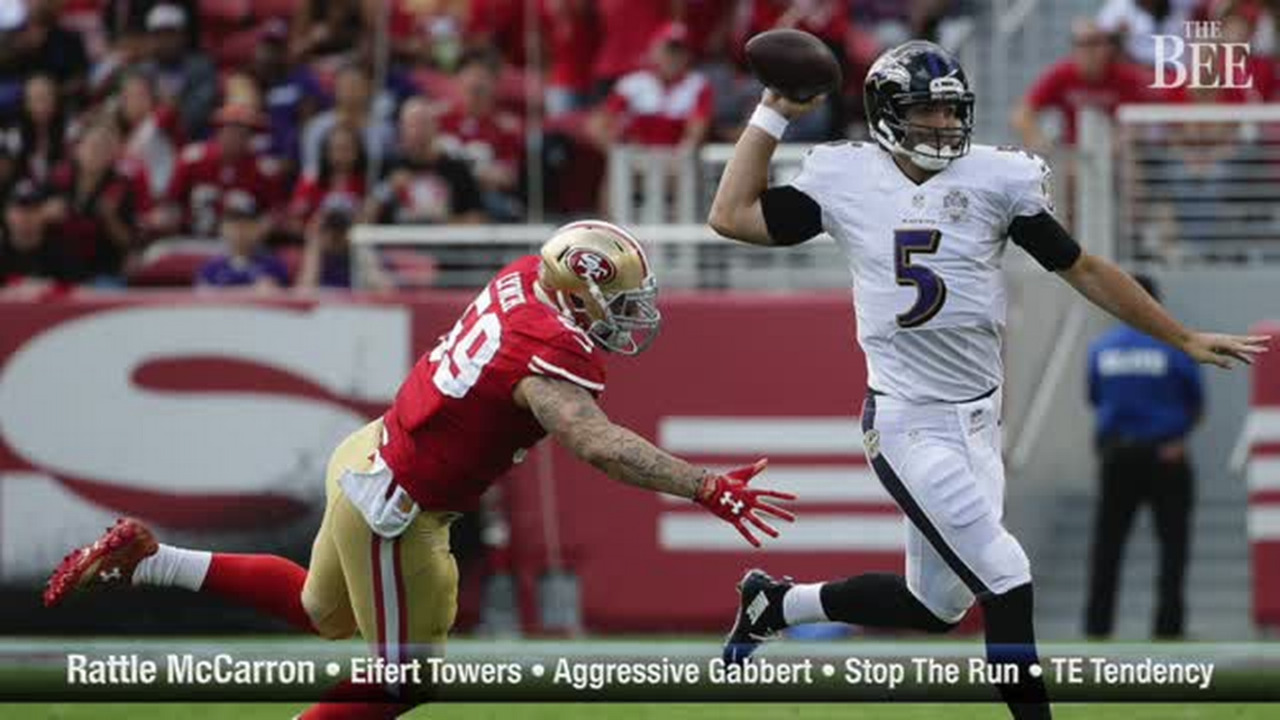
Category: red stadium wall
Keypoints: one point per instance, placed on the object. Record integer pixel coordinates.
(1264, 484)
(214, 420)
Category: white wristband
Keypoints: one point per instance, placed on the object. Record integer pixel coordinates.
(769, 120)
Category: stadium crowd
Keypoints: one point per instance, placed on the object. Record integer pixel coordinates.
(266, 129)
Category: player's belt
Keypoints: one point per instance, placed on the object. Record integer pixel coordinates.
(876, 393)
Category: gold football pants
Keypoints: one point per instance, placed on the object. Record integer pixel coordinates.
(402, 593)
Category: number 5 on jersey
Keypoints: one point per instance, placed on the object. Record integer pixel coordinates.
(931, 290)
(462, 355)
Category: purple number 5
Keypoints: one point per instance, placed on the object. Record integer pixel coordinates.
(931, 290)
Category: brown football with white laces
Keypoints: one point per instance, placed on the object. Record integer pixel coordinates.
(793, 63)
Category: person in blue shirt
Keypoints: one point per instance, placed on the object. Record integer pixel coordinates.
(245, 263)
(1147, 396)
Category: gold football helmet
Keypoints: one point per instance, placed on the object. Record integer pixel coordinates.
(598, 275)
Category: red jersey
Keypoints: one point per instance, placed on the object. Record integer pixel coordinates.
(657, 113)
(1063, 88)
(454, 426)
(627, 28)
(494, 139)
(202, 176)
(309, 195)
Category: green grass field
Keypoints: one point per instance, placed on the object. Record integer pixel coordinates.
(651, 712)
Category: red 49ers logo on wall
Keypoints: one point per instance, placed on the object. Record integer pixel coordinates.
(591, 265)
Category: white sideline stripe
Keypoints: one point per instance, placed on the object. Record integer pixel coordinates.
(548, 367)
(779, 435)
(817, 484)
(1264, 523)
(844, 532)
(1264, 473)
(1264, 425)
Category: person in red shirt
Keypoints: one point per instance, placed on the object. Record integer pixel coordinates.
(626, 29)
(490, 140)
(207, 170)
(525, 360)
(572, 29)
(95, 204)
(665, 104)
(1093, 76)
(342, 171)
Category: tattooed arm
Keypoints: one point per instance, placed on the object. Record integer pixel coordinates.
(571, 416)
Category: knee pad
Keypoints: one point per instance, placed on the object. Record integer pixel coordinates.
(330, 624)
(945, 597)
(1003, 565)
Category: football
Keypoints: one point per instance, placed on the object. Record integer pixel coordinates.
(793, 63)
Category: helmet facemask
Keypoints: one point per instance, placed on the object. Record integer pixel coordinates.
(928, 147)
(627, 321)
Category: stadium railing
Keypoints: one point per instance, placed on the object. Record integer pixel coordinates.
(683, 256)
(1183, 184)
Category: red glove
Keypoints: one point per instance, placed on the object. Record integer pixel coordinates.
(728, 498)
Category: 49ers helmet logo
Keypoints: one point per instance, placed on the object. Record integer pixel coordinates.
(590, 265)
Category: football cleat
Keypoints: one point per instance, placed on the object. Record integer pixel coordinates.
(110, 561)
(759, 615)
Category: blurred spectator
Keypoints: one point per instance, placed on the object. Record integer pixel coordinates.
(42, 128)
(827, 20)
(665, 104)
(151, 133)
(244, 262)
(353, 108)
(293, 94)
(1136, 22)
(125, 22)
(1092, 77)
(42, 46)
(1148, 397)
(95, 205)
(429, 33)
(184, 76)
(326, 27)
(627, 29)
(710, 24)
(573, 34)
(326, 255)
(490, 140)
(28, 248)
(422, 183)
(501, 26)
(341, 174)
(208, 171)
(10, 163)
(896, 21)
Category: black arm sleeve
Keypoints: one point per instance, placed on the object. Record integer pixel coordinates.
(1044, 238)
(791, 216)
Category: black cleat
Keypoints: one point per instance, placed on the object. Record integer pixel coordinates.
(759, 615)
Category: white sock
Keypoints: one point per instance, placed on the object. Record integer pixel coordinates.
(803, 604)
(174, 567)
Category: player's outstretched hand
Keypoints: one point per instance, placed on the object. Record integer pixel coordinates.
(1225, 350)
(728, 498)
(789, 109)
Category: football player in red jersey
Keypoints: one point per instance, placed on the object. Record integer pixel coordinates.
(523, 361)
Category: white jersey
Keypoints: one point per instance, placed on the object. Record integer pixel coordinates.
(928, 289)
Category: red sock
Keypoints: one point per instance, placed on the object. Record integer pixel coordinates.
(267, 583)
(341, 705)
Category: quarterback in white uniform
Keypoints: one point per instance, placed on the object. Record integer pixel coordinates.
(923, 220)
